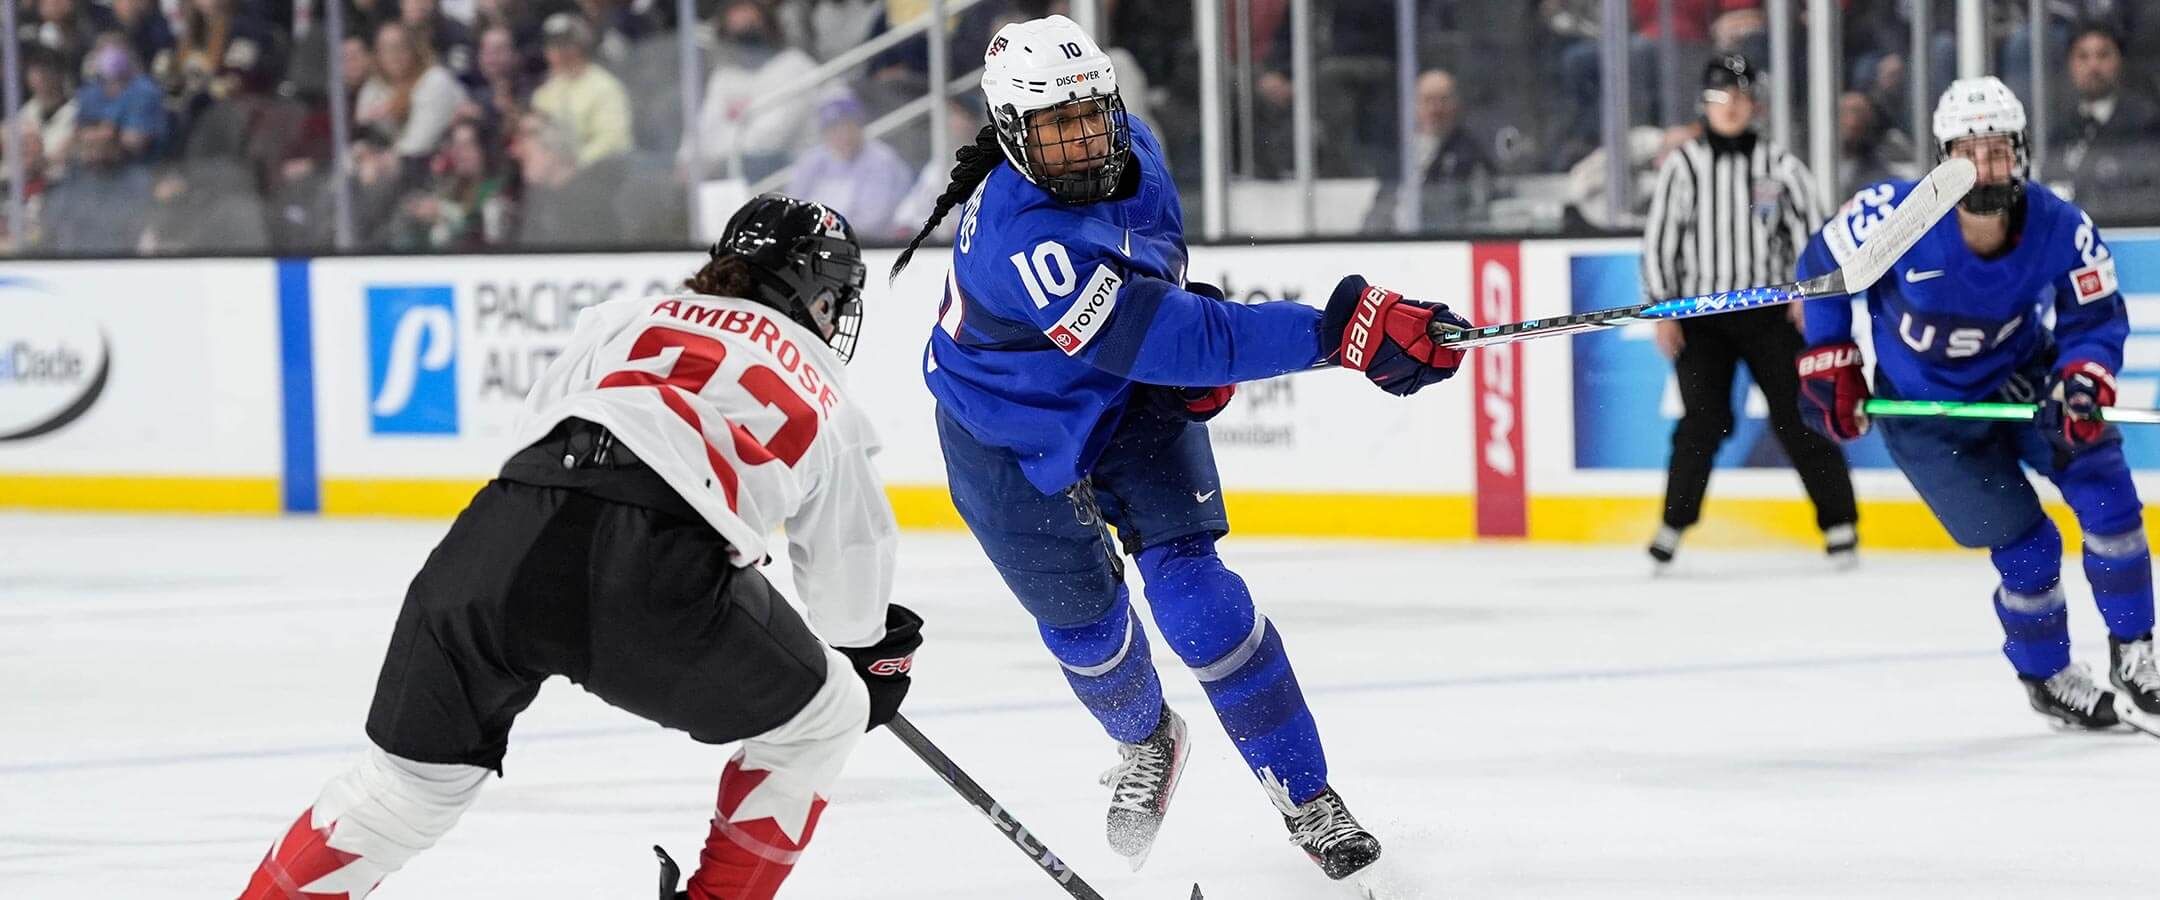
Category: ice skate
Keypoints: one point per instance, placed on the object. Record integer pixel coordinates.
(1325, 830)
(1141, 785)
(2072, 699)
(1663, 547)
(1842, 544)
(2135, 672)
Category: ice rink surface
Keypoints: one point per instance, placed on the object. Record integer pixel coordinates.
(1511, 721)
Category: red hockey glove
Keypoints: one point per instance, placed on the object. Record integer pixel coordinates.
(2069, 412)
(1190, 404)
(884, 666)
(1389, 338)
(1832, 389)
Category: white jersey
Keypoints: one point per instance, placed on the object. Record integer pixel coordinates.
(745, 413)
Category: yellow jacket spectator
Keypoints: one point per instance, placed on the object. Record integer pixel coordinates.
(581, 96)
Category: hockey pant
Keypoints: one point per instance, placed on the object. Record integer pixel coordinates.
(1972, 475)
(1156, 484)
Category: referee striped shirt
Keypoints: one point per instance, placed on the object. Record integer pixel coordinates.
(1728, 218)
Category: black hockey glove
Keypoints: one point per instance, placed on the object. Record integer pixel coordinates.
(884, 666)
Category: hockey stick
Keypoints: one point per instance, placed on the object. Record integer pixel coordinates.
(2003, 412)
(1010, 827)
(1896, 233)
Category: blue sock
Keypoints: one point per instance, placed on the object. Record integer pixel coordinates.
(1206, 615)
(2119, 568)
(2036, 625)
(1106, 662)
(2036, 631)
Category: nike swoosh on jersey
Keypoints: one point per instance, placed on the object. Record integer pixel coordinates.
(1199, 497)
(1915, 276)
(1125, 246)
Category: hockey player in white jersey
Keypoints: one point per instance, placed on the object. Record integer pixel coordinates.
(661, 449)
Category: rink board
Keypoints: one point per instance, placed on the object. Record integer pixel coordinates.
(391, 385)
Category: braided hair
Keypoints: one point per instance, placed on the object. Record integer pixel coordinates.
(971, 165)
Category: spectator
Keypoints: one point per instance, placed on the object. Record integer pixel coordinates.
(465, 209)
(48, 112)
(753, 64)
(619, 28)
(1457, 169)
(219, 46)
(2108, 131)
(359, 68)
(148, 32)
(1869, 150)
(204, 206)
(2102, 109)
(1648, 146)
(366, 16)
(861, 177)
(504, 87)
(580, 96)
(524, 23)
(99, 207)
(68, 28)
(962, 121)
(119, 93)
(836, 25)
(447, 38)
(564, 204)
(410, 96)
(379, 182)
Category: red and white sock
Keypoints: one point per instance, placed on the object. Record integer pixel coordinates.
(369, 821)
(760, 830)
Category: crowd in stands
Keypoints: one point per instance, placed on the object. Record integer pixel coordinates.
(200, 126)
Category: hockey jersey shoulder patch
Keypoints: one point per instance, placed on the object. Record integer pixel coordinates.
(2094, 282)
(1089, 314)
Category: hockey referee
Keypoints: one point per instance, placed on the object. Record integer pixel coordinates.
(1734, 210)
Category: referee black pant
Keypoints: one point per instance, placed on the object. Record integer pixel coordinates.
(1714, 348)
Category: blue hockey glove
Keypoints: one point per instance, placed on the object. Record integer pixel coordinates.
(1388, 337)
(2069, 411)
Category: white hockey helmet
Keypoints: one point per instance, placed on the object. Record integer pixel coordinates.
(1978, 107)
(1044, 64)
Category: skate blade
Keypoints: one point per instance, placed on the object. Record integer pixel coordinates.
(2136, 719)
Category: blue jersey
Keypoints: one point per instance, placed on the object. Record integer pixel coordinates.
(1949, 325)
(1053, 311)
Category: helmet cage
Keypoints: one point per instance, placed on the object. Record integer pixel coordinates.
(1989, 199)
(815, 276)
(1089, 176)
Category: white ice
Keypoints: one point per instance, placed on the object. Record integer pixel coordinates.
(1512, 721)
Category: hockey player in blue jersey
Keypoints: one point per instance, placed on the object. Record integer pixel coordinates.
(1962, 317)
(1072, 366)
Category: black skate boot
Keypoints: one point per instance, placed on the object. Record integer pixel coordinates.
(670, 875)
(1141, 785)
(2072, 699)
(1325, 830)
(2135, 672)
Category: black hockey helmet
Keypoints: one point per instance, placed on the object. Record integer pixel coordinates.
(804, 262)
(1729, 72)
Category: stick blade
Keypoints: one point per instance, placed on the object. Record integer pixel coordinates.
(1926, 204)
